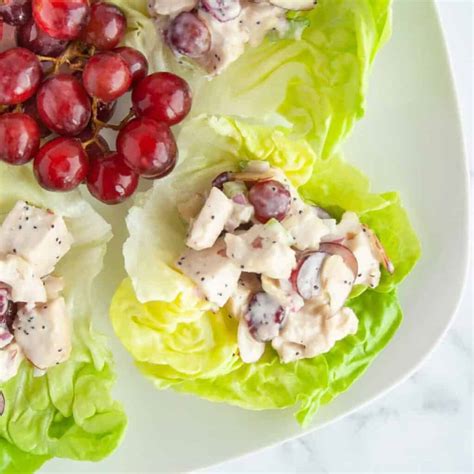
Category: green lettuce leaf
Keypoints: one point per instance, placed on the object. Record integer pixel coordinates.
(315, 84)
(177, 341)
(308, 383)
(69, 412)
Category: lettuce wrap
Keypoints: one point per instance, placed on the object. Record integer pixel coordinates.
(69, 412)
(178, 341)
(313, 82)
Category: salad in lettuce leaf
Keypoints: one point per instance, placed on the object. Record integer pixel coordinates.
(180, 315)
(313, 80)
(56, 372)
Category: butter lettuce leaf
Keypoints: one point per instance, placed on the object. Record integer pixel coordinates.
(69, 412)
(314, 84)
(177, 341)
(307, 383)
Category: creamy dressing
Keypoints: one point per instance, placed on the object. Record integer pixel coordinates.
(250, 350)
(286, 282)
(241, 214)
(34, 323)
(171, 7)
(310, 332)
(284, 292)
(238, 303)
(19, 275)
(263, 249)
(230, 36)
(336, 280)
(357, 239)
(306, 228)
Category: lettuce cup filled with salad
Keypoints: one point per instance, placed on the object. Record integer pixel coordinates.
(56, 371)
(271, 274)
(299, 64)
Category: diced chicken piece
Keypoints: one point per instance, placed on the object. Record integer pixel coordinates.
(264, 249)
(21, 277)
(310, 332)
(210, 222)
(283, 292)
(215, 275)
(38, 236)
(10, 359)
(250, 350)
(173, 7)
(53, 286)
(241, 214)
(44, 333)
(306, 228)
(356, 238)
(238, 303)
(337, 281)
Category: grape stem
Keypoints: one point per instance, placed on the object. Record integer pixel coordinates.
(118, 127)
(98, 125)
(73, 52)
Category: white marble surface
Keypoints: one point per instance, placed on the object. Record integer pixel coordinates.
(425, 425)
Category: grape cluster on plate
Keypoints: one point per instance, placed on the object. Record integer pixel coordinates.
(60, 80)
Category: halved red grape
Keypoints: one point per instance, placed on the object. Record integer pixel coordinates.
(264, 317)
(189, 35)
(30, 109)
(63, 105)
(148, 147)
(162, 96)
(106, 27)
(223, 10)
(306, 278)
(106, 76)
(20, 75)
(333, 248)
(270, 199)
(15, 12)
(35, 39)
(61, 19)
(19, 138)
(137, 63)
(61, 164)
(110, 179)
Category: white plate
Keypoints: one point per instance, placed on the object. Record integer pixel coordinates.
(410, 141)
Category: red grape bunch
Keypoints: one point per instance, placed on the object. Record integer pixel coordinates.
(62, 71)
